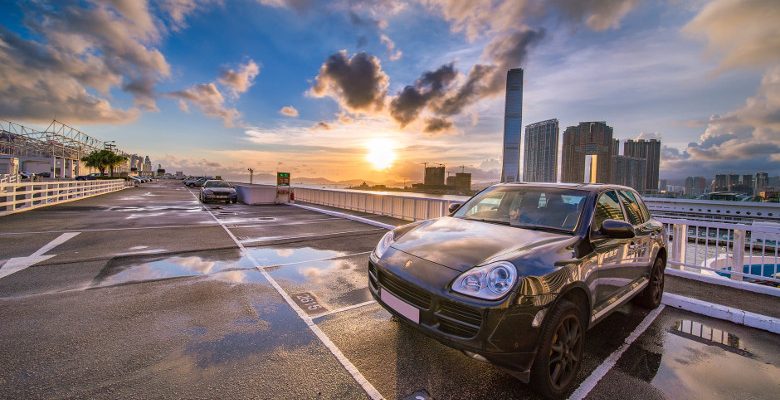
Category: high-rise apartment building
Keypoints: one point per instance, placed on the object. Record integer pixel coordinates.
(650, 150)
(695, 186)
(587, 138)
(541, 152)
(762, 181)
(513, 125)
(434, 176)
(733, 181)
(629, 171)
(721, 183)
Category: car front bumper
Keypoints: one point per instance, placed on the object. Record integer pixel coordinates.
(500, 332)
(220, 197)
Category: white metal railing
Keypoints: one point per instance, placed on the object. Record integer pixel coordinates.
(732, 250)
(23, 196)
(398, 206)
(705, 247)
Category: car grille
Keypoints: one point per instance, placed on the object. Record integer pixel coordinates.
(410, 293)
(373, 279)
(457, 319)
(453, 318)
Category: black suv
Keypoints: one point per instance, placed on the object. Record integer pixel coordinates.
(515, 275)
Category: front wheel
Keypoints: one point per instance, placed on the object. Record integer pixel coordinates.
(560, 351)
(651, 296)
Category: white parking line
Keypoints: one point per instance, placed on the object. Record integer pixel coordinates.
(588, 384)
(342, 309)
(359, 378)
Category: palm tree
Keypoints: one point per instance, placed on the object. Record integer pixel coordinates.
(102, 159)
(113, 159)
(96, 159)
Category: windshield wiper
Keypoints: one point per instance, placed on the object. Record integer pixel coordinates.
(489, 221)
(542, 228)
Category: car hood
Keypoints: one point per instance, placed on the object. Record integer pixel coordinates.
(461, 244)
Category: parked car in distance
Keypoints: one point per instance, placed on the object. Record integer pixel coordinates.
(517, 274)
(217, 190)
(90, 177)
(28, 176)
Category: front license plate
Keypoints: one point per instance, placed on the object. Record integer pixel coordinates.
(400, 306)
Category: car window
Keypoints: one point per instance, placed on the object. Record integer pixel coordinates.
(608, 207)
(527, 207)
(217, 184)
(642, 206)
(633, 210)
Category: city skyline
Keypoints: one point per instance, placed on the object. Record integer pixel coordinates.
(225, 87)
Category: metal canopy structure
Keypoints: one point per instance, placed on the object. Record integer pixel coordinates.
(57, 140)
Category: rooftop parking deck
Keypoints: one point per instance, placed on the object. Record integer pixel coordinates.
(146, 293)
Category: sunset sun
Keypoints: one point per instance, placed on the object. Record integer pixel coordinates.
(380, 153)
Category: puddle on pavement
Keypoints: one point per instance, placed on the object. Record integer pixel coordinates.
(315, 273)
(710, 336)
(165, 267)
(693, 360)
(268, 256)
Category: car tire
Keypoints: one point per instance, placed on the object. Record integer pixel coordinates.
(653, 293)
(559, 356)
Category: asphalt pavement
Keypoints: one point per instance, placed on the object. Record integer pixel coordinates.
(146, 293)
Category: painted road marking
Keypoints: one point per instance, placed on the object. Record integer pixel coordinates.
(588, 384)
(309, 303)
(347, 308)
(351, 369)
(17, 264)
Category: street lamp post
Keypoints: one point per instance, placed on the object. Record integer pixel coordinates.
(251, 173)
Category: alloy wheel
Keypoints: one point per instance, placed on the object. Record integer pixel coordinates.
(657, 282)
(565, 351)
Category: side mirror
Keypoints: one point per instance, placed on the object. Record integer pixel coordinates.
(617, 229)
(454, 207)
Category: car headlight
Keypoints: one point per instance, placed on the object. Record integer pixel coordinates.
(489, 282)
(384, 244)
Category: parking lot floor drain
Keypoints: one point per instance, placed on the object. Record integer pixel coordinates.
(419, 395)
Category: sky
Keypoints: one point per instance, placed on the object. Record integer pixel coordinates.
(370, 90)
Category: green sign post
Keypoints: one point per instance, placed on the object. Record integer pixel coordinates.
(282, 179)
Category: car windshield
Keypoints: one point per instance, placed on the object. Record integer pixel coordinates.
(526, 207)
(216, 184)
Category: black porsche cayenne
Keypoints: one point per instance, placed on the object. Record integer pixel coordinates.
(518, 273)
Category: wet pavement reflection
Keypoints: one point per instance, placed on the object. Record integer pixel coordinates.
(148, 268)
(685, 355)
(269, 256)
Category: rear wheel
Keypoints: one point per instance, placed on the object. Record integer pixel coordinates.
(560, 351)
(651, 296)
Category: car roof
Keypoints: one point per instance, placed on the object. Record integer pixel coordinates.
(590, 187)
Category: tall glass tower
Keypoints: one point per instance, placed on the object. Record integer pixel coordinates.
(513, 124)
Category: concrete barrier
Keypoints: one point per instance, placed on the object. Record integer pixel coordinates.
(257, 194)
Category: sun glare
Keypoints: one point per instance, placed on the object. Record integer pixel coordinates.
(380, 154)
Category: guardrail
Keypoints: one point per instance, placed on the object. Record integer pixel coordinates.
(23, 196)
(719, 250)
(397, 206)
(730, 250)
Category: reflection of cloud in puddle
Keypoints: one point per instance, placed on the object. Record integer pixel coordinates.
(173, 267)
(284, 252)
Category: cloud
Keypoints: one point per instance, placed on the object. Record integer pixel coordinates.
(75, 55)
(430, 87)
(649, 135)
(289, 111)
(745, 33)
(392, 53)
(437, 125)
(297, 5)
(357, 83)
(178, 10)
(322, 125)
(240, 80)
(598, 15)
(208, 98)
(745, 140)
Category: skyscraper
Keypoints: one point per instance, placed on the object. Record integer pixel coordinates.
(695, 186)
(629, 171)
(650, 150)
(762, 181)
(587, 138)
(513, 125)
(541, 152)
